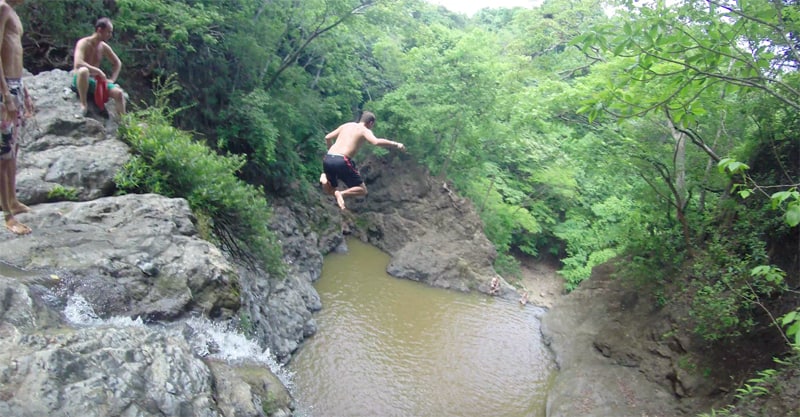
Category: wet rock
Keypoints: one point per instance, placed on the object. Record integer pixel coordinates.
(604, 368)
(103, 372)
(101, 243)
(279, 309)
(248, 389)
(107, 257)
(433, 235)
(59, 151)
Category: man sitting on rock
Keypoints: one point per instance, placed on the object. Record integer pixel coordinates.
(89, 52)
(337, 164)
(494, 287)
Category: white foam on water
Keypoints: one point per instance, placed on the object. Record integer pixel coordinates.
(208, 339)
(233, 346)
(80, 313)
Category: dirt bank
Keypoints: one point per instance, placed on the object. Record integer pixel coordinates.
(542, 281)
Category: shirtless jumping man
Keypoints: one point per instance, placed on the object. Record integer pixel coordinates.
(89, 52)
(14, 102)
(338, 165)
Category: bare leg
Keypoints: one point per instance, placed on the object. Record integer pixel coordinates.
(119, 99)
(82, 84)
(17, 207)
(350, 192)
(8, 197)
(339, 199)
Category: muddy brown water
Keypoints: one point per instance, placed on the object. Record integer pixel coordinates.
(393, 347)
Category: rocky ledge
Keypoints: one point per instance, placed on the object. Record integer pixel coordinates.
(114, 305)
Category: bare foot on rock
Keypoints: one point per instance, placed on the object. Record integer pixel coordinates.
(16, 227)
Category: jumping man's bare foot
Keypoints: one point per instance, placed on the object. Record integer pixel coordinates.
(323, 179)
(16, 227)
(339, 199)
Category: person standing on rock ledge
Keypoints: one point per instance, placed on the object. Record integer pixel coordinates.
(337, 163)
(15, 103)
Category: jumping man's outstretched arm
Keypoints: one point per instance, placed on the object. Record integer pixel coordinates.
(384, 143)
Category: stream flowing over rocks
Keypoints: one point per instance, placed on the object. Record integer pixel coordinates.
(115, 306)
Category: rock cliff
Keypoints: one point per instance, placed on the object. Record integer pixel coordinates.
(114, 305)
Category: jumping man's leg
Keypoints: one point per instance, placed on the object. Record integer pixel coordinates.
(327, 188)
(350, 192)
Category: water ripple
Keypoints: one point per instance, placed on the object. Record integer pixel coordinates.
(391, 347)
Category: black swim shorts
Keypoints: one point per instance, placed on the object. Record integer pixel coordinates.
(340, 167)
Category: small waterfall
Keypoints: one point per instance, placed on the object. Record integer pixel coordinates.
(216, 340)
(230, 345)
(80, 313)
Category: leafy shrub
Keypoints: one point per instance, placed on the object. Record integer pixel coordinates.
(61, 193)
(732, 278)
(168, 161)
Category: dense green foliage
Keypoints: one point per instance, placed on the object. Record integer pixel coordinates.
(665, 135)
(720, 80)
(170, 162)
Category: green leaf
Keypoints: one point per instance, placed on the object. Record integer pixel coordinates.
(780, 197)
(793, 214)
(626, 28)
(723, 164)
(790, 317)
(794, 329)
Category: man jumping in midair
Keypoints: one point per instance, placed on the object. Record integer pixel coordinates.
(337, 164)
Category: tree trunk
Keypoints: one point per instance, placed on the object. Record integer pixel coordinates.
(679, 189)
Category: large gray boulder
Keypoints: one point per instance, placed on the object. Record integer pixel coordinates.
(51, 366)
(433, 235)
(69, 344)
(580, 328)
(283, 307)
(59, 150)
(132, 255)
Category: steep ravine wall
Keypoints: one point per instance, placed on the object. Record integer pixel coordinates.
(140, 257)
(141, 278)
